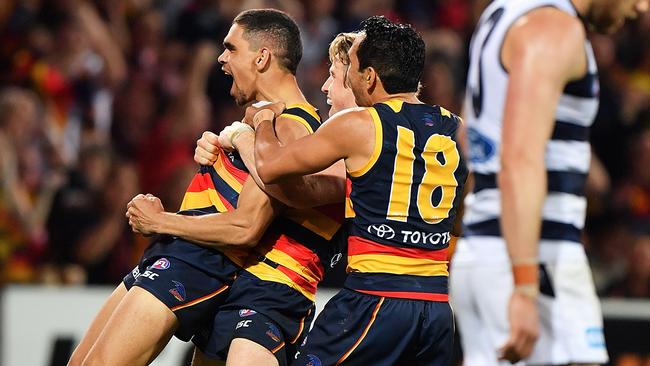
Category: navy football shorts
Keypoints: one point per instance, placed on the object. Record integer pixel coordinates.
(360, 329)
(270, 314)
(193, 294)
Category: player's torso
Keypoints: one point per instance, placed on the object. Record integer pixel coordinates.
(402, 204)
(567, 154)
(301, 244)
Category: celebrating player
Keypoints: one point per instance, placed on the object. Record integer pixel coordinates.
(178, 285)
(405, 174)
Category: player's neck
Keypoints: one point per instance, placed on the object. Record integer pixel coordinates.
(405, 97)
(281, 87)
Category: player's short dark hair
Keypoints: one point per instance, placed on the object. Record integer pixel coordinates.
(277, 30)
(395, 51)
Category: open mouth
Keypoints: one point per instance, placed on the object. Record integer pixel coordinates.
(329, 101)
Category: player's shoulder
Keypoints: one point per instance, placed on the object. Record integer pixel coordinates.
(548, 26)
(350, 115)
(299, 116)
(441, 113)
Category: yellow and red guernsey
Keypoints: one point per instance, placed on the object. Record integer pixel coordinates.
(401, 206)
(300, 245)
(215, 189)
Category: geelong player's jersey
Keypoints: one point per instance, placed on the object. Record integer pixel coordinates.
(567, 152)
(302, 244)
(401, 206)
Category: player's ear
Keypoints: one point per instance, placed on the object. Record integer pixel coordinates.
(370, 77)
(263, 59)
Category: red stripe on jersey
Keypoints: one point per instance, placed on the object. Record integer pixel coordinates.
(409, 295)
(200, 183)
(225, 201)
(300, 254)
(238, 174)
(358, 245)
(348, 186)
(298, 279)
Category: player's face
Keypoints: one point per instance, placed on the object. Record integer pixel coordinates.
(606, 16)
(339, 96)
(355, 79)
(238, 61)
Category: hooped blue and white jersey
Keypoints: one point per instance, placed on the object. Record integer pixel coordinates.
(568, 151)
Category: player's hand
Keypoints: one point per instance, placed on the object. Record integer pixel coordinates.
(524, 328)
(207, 149)
(143, 212)
(275, 108)
(229, 134)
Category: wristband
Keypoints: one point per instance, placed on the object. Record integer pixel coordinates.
(240, 129)
(525, 274)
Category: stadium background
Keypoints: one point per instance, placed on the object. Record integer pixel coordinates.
(101, 100)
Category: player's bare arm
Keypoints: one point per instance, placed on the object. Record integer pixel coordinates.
(539, 53)
(348, 135)
(243, 226)
(322, 188)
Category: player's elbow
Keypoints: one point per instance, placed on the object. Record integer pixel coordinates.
(246, 237)
(267, 175)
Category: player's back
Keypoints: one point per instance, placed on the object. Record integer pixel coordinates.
(402, 204)
(567, 152)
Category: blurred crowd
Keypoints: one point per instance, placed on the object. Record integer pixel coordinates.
(104, 99)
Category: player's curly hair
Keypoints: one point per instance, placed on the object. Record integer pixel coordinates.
(274, 29)
(340, 47)
(396, 52)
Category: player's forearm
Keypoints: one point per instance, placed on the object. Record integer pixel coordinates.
(267, 153)
(322, 188)
(522, 183)
(213, 230)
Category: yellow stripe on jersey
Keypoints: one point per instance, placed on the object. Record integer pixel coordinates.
(300, 120)
(379, 139)
(265, 272)
(377, 263)
(202, 199)
(395, 104)
(286, 260)
(307, 108)
(349, 209)
(223, 172)
(316, 222)
(444, 112)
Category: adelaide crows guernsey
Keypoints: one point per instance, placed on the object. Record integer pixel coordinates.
(401, 206)
(300, 245)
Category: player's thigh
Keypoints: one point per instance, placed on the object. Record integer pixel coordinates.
(139, 328)
(245, 352)
(248, 331)
(97, 325)
(479, 296)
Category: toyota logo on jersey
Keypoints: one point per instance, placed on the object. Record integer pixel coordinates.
(382, 231)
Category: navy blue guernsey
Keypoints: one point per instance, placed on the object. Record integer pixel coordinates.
(402, 205)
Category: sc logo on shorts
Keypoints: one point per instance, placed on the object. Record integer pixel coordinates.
(382, 231)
